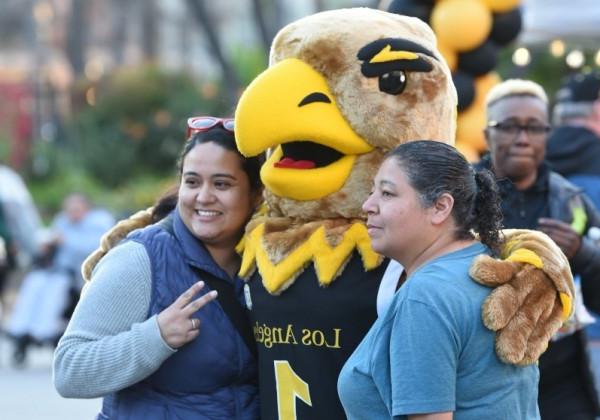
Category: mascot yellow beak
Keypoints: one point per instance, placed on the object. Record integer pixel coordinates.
(290, 107)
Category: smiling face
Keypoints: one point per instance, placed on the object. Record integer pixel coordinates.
(397, 222)
(215, 198)
(517, 156)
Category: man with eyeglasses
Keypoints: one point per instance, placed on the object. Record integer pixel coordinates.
(534, 197)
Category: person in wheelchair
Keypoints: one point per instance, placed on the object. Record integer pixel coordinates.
(50, 290)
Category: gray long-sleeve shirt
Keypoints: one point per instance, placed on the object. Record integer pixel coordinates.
(110, 343)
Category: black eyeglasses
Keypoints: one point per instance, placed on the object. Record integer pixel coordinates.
(511, 128)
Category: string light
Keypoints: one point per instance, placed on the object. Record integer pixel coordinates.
(94, 69)
(557, 48)
(42, 12)
(575, 59)
(521, 57)
(597, 58)
(90, 96)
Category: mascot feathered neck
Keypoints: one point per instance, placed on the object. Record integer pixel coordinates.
(331, 104)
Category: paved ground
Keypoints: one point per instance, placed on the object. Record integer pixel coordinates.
(28, 393)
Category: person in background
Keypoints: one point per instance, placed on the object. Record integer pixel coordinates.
(38, 315)
(573, 148)
(7, 255)
(429, 356)
(75, 231)
(148, 334)
(534, 197)
(19, 222)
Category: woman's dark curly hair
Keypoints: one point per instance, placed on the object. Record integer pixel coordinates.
(433, 168)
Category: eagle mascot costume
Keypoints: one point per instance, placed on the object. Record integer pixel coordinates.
(343, 88)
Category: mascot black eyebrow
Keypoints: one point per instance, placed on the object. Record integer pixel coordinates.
(343, 88)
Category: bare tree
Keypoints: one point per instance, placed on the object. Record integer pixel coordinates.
(319, 5)
(149, 16)
(232, 83)
(268, 16)
(185, 41)
(121, 10)
(77, 36)
(13, 21)
(266, 34)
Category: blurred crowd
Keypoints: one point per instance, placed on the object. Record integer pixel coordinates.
(40, 279)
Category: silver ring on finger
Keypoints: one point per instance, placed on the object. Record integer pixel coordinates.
(194, 321)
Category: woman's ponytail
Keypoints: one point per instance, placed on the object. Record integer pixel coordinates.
(487, 218)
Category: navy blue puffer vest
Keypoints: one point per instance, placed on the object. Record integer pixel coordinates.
(213, 376)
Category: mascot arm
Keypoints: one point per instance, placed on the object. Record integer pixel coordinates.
(113, 237)
(533, 294)
(532, 298)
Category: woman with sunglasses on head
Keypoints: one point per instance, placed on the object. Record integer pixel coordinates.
(429, 356)
(160, 331)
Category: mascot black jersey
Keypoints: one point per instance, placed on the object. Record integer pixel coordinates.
(304, 337)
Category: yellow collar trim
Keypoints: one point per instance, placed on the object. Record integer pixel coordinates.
(328, 261)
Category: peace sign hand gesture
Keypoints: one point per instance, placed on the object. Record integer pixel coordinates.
(176, 324)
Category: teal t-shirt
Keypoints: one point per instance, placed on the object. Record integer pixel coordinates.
(430, 352)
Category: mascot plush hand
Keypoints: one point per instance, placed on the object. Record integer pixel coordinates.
(343, 88)
(525, 307)
(113, 237)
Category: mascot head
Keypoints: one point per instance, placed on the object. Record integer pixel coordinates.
(343, 88)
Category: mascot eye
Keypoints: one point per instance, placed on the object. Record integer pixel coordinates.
(393, 82)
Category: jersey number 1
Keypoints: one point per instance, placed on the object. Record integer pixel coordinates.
(289, 386)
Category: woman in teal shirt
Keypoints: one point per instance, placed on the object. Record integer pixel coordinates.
(429, 355)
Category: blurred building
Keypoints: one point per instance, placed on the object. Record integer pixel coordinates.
(48, 45)
(573, 21)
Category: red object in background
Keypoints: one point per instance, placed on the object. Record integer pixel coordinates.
(16, 104)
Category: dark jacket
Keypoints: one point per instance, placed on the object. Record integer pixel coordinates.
(555, 197)
(574, 152)
(566, 380)
(211, 377)
(564, 198)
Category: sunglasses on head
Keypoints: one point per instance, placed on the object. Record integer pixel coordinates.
(201, 124)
